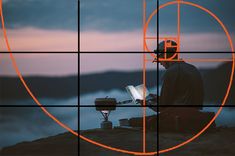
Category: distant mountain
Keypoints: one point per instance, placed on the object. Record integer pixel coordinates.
(115, 80)
(42, 87)
(215, 82)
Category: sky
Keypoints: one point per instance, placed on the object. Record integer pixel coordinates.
(117, 26)
(41, 25)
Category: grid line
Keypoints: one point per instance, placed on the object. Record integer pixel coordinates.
(158, 36)
(155, 106)
(144, 52)
(5, 106)
(40, 52)
(78, 80)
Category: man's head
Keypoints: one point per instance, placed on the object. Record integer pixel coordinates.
(166, 50)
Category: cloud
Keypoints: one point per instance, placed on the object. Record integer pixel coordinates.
(32, 39)
(116, 15)
(112, 41)
(133, 41)
(129, 41)
(40, 64)
(5, 1)
(46, 14)
(117, 26)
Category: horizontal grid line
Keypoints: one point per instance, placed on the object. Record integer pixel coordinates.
(5, 106)
(142, 52)
(40, 52)
(156, 106)
(194, 60)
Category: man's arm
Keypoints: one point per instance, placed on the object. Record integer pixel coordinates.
(169, 88)
(168, 91)
(151, 101)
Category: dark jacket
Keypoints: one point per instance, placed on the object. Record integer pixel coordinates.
(182, 85)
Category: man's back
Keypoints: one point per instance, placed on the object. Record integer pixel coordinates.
(182, 85)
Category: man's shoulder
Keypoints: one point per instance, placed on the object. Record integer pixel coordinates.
(184, 66)
(171, 72)
(180, 67)
(173, 69)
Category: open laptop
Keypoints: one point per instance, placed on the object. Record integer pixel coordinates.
(136, 92)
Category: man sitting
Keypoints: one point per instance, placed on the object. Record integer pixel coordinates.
(182, 86)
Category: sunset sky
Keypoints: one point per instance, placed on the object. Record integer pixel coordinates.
(117, 26)
(41, 25)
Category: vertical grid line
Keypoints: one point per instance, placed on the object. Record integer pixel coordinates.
(79, 140)
(157, 77)
(79, 26)
(144, 103)
(144, 90)
(178, 28)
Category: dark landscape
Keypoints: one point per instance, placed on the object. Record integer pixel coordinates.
(41, 86)
(60, 145)
(209, 144)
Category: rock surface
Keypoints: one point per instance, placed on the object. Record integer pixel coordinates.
(219, 142)
(60, 145)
